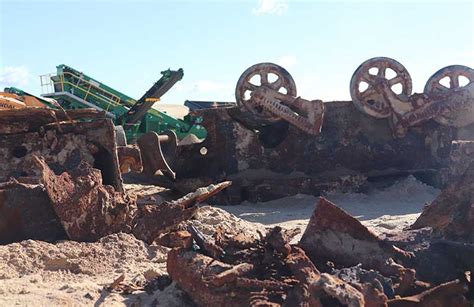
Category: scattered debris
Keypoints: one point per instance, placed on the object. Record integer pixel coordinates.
(61, 179)
(86, 208)
(272, 271)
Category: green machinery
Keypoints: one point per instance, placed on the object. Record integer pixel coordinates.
(75, 90)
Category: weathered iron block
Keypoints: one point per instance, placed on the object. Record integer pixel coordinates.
(277, 160)
(60, 140)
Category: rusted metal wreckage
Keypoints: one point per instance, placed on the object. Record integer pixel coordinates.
(273, 100)
(374, 92)
(275, 144)
(338, 262)
(65, 138)
(78, 206)
(62, 180)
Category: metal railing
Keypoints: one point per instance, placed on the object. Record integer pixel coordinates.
(48, 86)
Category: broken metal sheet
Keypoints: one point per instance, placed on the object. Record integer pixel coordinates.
(173, 239)
(129, 159)
(447, 294)
(26, 213)
(333, 235)
(87, 209)
(60, 140)
(451, 214)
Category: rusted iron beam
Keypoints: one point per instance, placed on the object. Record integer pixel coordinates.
(189, 269)
(151, 220)
(351, 148)
(32, 119)
(207, 247)
(231, 275)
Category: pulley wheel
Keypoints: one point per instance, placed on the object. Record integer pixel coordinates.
(363, 93)
(444, 83)
(264, 74)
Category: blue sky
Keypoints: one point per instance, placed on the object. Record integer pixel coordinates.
(125, 44)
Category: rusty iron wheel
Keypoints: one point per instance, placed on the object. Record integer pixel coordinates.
(369, 100)
(262, 71)
(436, 90)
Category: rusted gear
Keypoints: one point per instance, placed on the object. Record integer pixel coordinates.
(435, 90)
(371, 100)
(247, 85)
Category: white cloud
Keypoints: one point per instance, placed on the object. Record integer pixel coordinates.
(14, 76)
(271, 7)
(211, 86)
(287, 61)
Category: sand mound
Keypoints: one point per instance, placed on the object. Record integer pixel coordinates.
(71, 273)
(208, 219)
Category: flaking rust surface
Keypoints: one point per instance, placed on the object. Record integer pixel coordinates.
(61, 140)
(274, 161)
(86, 208)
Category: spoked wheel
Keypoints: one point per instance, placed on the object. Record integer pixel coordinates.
(264, 74)
(444, 83)
(363, 92)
